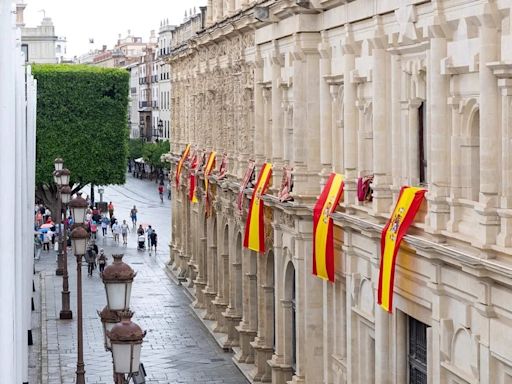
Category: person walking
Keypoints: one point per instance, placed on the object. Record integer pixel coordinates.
(46, 240)
(149, 231)
(140, 230)
(110, 210)
(161, 192)
(133, 216)
(125, 228)
(104, 225)
(102, 260)
(91, 260)
(116, 230)
(38, 245)
(153, 239)
(94, 230)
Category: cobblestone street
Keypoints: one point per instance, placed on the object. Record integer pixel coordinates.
(177, 347)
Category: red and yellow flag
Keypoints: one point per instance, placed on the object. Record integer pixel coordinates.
(323, 241)
(192, 180)
(409, 201)
(179, 167)
(210, 165)
(254, 227)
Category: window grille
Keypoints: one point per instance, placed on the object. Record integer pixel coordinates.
(417, 356)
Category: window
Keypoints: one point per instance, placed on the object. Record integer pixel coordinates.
(24, 49)
(422, 145)
(417, 352)
(294, 327)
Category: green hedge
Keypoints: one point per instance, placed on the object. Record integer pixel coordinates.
(82, 116)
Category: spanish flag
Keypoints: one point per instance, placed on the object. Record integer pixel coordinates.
(323, 242)
(254, 227)
(210, 165)
(179, 167)
(192, 180)
(408, 204)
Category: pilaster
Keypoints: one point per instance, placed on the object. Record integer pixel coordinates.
(349, 48)
(490, 144)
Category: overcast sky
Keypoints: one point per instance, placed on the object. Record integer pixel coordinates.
(104, 20)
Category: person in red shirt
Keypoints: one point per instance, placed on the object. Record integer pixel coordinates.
(161, 192)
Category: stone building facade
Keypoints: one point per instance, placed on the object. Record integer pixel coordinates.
(411, 92)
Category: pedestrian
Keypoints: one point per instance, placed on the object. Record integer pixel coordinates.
(116, 230)
(39, 219)
(161, 191)
(91, 260)
(102, 260)
(112, 222)
(148, 232)
(133, 216)
(94, 229)
(169, 190)
(153, 238)
(46, 240)
(125, 228)
(47, 215)
(104, 225)
(38, 245)
(111, 210)
(140, 230)
(94, 246)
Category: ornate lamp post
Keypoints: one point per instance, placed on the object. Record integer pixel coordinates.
(118, 279)
(123, 339)
(108, 320)
(57, 179)
(126, 338)
(79, 237)
(65, 313)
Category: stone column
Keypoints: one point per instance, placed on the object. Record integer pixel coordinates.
(350, 119)
(230, 9)
(259, 105)
(267, 137)
(396, 168)
(326, 123)
(382, 197)
(210, 291)
(209, 13)
(249, 324)
(455, 168)
(439, 155)
(277, 117)
(490, 144)
(338, 126)
(505, 236)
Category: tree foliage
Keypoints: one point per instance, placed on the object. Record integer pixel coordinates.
(135, 149)
(152, 153)
(82, 116)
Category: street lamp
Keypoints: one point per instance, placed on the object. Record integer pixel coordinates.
(118, 279)
(79, 237)
(65, 196)
(160, 129)
(141, 131)
(108, 318)
(58, 164)
(78, 207)
(126, 338)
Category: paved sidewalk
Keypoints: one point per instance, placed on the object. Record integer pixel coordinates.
(177, 347)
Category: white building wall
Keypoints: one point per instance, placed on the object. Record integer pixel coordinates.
(17, 133)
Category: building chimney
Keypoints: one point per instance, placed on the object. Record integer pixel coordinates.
(20, 8)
